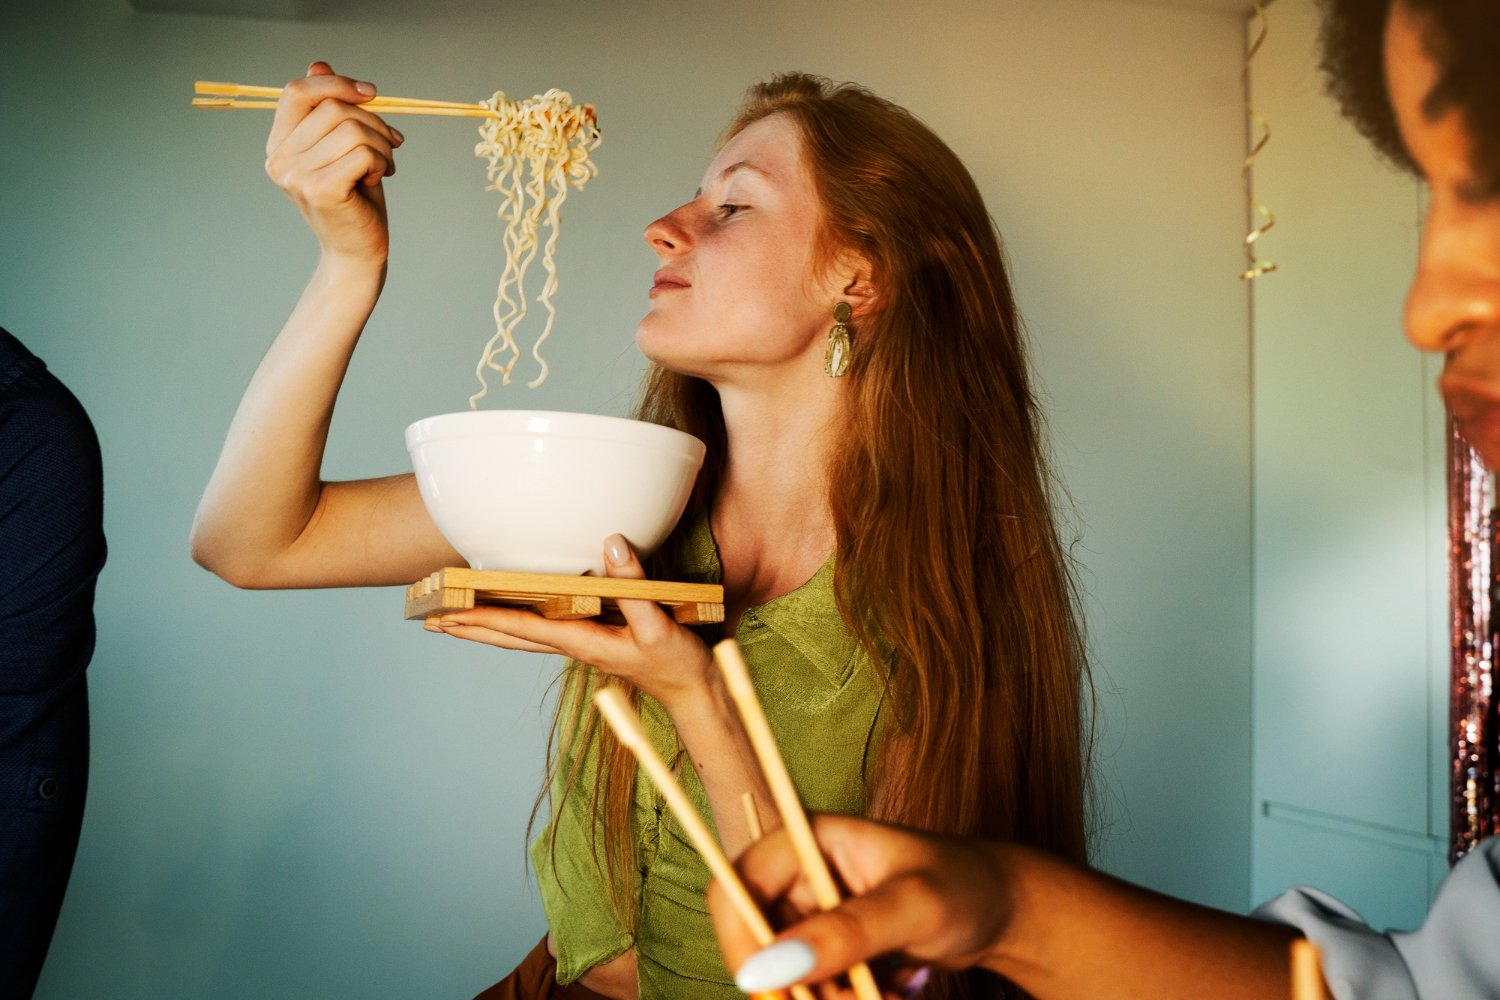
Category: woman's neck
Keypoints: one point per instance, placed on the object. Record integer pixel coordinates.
(771, 517)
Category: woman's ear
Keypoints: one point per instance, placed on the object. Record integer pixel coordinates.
(858, 288)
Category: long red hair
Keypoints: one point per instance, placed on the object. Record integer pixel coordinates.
(950, 566)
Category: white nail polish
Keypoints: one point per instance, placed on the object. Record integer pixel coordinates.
(772, 968)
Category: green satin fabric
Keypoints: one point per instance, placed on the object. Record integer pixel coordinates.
(822, 697)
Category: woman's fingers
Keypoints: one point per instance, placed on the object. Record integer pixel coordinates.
(508, 628)
(329, 156)
(863, 853)
(347, 153)
(768, 868)
(736, 942)
(333, 114)
(620, 560)
(326, 136)
(888, 919)
(917, 896)
(325, 178)
(650, 650)
(490, 637)
(487, 635)
(772, 873)
(646, 619)
(300, 97)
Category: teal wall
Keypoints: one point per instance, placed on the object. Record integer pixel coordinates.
(299, 794)
(1351, 632)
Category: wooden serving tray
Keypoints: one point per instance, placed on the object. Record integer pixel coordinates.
(457, 588)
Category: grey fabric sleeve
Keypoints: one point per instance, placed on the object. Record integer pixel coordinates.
(1454, 956)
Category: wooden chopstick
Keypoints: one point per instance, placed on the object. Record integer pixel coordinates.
(825, 891)
(627, 726)
(247, 90)
(227, 102)
(1307, 972)
(227, 95)
(752, 817)
(752, 820)
(374, 106)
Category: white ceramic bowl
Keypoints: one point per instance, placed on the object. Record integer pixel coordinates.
(539, 492)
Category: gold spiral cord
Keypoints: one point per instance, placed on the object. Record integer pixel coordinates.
(1255, 266)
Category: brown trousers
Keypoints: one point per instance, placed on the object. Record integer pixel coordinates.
(536, 979)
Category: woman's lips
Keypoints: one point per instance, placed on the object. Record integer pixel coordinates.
(666, 281)
(1482, 432)
(1474, 402)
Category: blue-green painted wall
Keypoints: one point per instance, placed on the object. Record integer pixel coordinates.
(303, 795)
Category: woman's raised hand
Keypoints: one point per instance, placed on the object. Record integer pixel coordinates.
(1053, 928)
(650, 650)
(329, 155)
(921, 898)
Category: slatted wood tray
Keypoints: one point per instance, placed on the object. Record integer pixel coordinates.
(457, 588)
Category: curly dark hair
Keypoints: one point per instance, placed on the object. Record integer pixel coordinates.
(1463, 37)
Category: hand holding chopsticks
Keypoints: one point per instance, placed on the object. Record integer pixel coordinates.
(232, 95)
(825, 890)
(235, 95)
(622, 719)
(627, 726)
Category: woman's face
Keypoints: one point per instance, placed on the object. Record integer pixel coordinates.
(1454, 302)
(740, 292)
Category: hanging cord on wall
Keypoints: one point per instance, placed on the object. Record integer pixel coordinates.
(1257, 267)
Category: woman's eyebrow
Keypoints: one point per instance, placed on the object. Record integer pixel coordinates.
(735, 168)
(1481, 186)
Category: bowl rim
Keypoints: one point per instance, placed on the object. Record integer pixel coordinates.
(462, 423)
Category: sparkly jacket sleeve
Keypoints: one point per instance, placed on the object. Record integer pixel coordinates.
(1455, 955)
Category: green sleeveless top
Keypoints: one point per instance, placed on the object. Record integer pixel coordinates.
(822, 698)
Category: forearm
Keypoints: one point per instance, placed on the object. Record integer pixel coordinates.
(1075, 932)
(267, 485)
(716, 748)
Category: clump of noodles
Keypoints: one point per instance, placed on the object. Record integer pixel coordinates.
(536, 149)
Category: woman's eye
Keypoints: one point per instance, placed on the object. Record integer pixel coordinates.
(728, 210)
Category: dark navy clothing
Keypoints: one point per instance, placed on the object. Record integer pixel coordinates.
(51, 551)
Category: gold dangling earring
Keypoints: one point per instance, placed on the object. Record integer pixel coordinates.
(836, 358)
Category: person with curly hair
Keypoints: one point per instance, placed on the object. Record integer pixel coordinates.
(1420, 79)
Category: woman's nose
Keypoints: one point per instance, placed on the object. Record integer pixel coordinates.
(1456, 292)
(668, 234)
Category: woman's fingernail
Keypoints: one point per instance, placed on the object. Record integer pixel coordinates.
(773, 968)
(399, 137)
(618, 549)
(917, 983)
(368, 89)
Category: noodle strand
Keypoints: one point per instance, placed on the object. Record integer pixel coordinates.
(535, 150)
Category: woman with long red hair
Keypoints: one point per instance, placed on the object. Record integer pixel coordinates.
(833, 317)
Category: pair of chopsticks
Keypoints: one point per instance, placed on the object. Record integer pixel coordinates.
(230, 95)
(627, 726)
(1307, 975)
